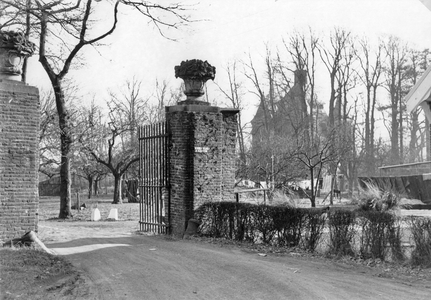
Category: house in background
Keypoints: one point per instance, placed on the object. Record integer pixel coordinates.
(281, 117)
(276, 121)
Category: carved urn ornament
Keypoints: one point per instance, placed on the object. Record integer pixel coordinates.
(14, 47)
(195, 73)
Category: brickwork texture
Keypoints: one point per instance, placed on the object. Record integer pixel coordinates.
(19, 158)
(202, 160)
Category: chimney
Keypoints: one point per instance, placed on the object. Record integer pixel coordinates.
(300, 77)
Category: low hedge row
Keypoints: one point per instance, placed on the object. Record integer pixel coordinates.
(369, 234)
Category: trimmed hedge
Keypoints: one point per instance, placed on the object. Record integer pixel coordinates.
(367, 234)
(421, 233)
(276, 225)
(341, 224)
(380, 235)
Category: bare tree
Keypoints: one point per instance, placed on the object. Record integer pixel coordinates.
(234, 93)
(89, 169)
(337, 58)
(64, 29)
(163, 96)
(109, 144)
(266, 98)
(130, 106)
(302, 50)
(332, 58)
(264, 124)
(317, 156)
(370, 74)
(394, 67)
(49, 156)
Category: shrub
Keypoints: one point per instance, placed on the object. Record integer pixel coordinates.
(280, 225)
(314, 224)
(263, 223)
(421, 233)
(341, 225)
(216, 219)
(288, 223)
(380, 230)
(373, 198)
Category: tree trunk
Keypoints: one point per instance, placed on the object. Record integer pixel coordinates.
(90, 186)
(117, 189)
(313, 194)
(65, 144)
(96, 187)
(331, 193)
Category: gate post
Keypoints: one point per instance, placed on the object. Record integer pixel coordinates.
(19, 158)
(202, 154)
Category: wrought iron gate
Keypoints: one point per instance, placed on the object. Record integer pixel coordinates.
(154, 183)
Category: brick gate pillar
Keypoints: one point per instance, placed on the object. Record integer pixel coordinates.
(202, 157)
(202, 154)
(19, 158)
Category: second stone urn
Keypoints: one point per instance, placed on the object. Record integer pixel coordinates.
(195, 74)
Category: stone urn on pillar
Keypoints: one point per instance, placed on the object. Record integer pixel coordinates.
(195, 74)
(14, 48)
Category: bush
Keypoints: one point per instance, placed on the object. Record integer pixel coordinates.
(314, 222)
(280, 225)
(288, 223)
(374, 198)
(341, 225)
(217, 219)
(380, 231)
(421, 233)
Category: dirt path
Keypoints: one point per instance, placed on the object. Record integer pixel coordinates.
(123, 265)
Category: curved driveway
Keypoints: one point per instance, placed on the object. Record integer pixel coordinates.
(148, 267)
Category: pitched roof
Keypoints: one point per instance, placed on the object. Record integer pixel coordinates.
(420, 93)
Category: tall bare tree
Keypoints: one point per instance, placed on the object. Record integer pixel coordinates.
(107, 140)
(302, 50)
(64, 29)
(337, 56)
(49, 154)
(332, 58)
(370, 62)
(235, 95)
(394, 67)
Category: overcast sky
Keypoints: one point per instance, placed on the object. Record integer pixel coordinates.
(229, 30)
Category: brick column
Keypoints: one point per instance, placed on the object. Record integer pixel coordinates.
(202, 158)
(229, 155)
(19, 158)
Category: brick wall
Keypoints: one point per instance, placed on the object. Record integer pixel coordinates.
(19, 158)
(202, 158)
(179, 124)
(229, 155)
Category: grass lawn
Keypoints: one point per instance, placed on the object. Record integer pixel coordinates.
(49, 208)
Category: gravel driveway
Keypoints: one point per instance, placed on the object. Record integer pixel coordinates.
(121, 264)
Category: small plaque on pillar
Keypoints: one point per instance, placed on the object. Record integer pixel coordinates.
(202, 149)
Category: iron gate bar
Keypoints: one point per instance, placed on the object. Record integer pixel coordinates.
(154, 184)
